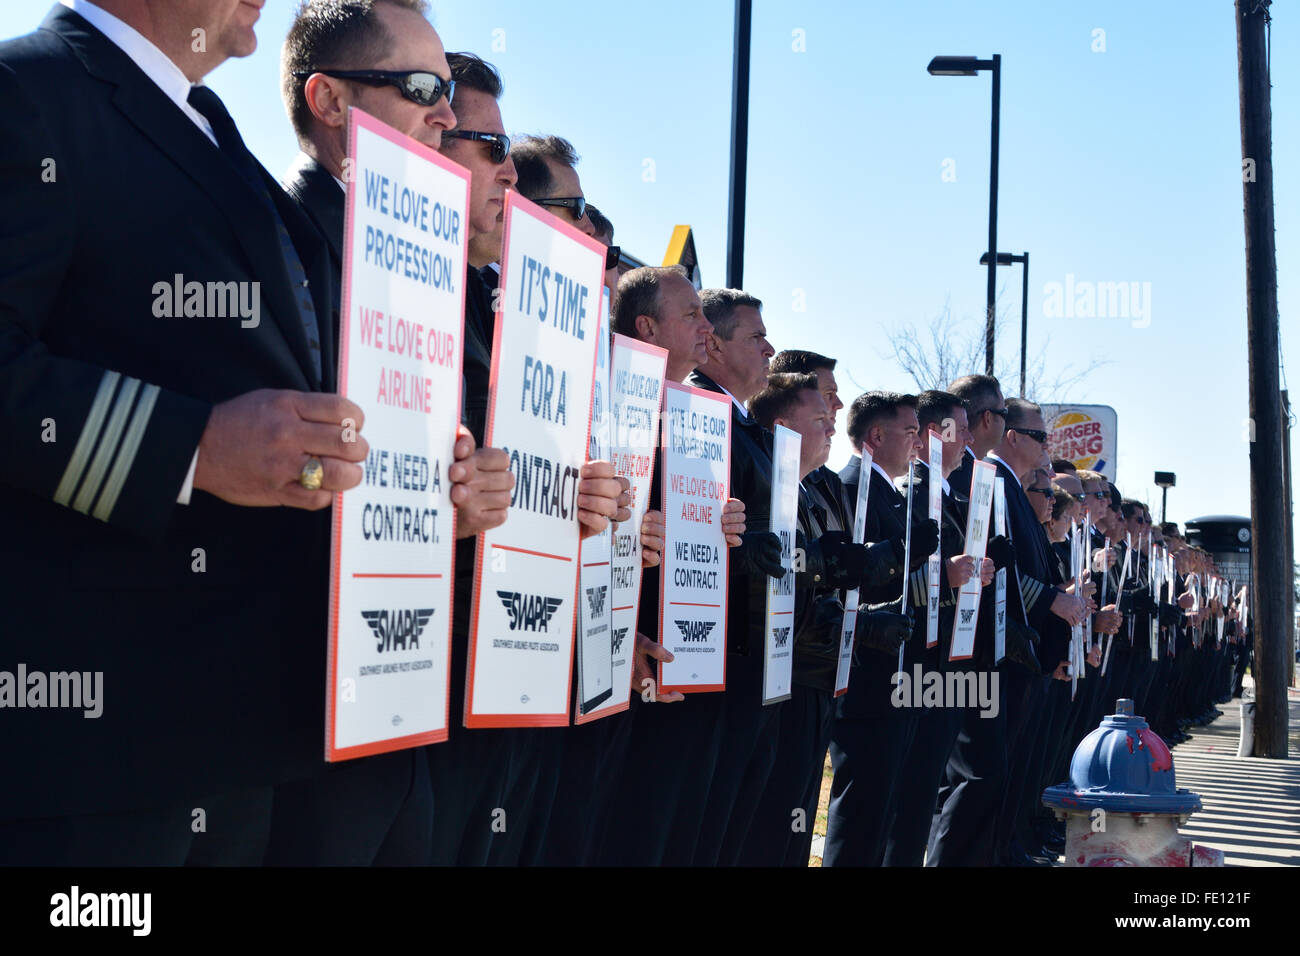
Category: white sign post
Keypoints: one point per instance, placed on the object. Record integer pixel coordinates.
(400, 360)
(778, 656)
(595, 617)
(849, 628)
(693, 582)
(526, 573)
(977, 534)
(636, 391)
(934, 563)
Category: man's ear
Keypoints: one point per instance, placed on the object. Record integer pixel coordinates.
(645, 328)
(328, 100)
(712, 346)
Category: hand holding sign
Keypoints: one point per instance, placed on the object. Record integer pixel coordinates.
(481, 485)
(653, 530)
(733, 521)
(602, 497)
(255, 445)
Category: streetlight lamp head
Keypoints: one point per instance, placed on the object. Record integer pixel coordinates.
(1004, 259)
(954, 66)
(1165, 479)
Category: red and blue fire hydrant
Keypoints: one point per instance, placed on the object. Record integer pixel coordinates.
(1121, 805)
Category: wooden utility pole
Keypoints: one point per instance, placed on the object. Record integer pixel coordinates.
(1270, 564)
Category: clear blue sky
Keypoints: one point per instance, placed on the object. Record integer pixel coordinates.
(1121, 165)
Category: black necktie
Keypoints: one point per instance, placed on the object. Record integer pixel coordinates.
(232, 146)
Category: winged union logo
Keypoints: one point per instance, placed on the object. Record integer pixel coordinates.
(848, 636)
(596, 600)
(529, 612)
(781, 635)
(696, 630)
(967, 614)
(934, 604)
(398, 629)
(1002, 616)
(616, 638)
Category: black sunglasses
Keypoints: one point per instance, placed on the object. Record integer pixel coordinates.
(1040, 437)
(418, 86)
(1081, 496)
(1096, 494)
(612, 256)
(1045, 492)
(500, 141)
(575, 204)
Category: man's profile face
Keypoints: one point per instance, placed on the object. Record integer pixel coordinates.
(956, 435)
(896, 439)
(1095, 506)
(811, 418)
(747, 354)
(681, 327)
(1038, 497)
(412, 44)
(830, 391)
(478, 111)
(997, 423)
(565, 184)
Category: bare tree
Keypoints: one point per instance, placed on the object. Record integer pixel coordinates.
(948, 349)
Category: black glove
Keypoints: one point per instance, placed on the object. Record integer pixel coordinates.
(880, 567)
(759, 553)
(1139, 603)
(1170, 615)
(836, 561)
(883, 631)
(1021, 643)
(1000, 552)
(925, 540)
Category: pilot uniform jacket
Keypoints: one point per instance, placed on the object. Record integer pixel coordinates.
(1039, 572)
(871, 673)
(823, 506)
(208, 620)
(952, 542)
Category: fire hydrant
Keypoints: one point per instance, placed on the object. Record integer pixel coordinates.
(1121, 805)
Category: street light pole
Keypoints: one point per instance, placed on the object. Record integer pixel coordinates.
(739, 145)
(971, 66)
(1006, 259)
(990, 318)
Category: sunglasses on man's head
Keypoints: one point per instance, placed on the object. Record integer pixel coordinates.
(418, 86)
(577, 205)
(500, 141)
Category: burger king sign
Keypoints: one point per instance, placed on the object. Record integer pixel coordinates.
(1083, 434)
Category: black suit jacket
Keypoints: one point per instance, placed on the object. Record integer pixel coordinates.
(207, 621)
(1039, 572)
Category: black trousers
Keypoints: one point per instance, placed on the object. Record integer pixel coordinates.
(923, 771)
(593, 758)
(746, 755)
(654, 817)
(867, 757)
(469, 772)
(227, 829)
(374, 811)
(962, 831)
(779, 835)
(1026, 709)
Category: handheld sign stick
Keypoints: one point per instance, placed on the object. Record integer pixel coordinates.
(1128, 553)
(1105, 579)
(906, 609)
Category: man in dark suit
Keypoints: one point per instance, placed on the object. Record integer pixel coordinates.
(1050, 609)
(778, 831)
(189, 354)
(379, 810)
(941, 414)
(961, 833)
(870, 738)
